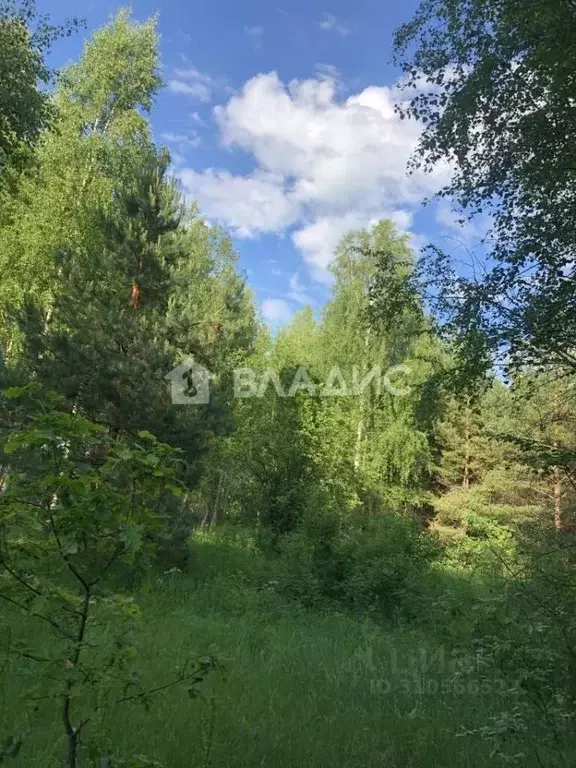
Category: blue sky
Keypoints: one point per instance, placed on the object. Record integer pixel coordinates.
(280, 117)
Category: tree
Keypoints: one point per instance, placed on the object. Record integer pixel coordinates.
(388, 434)
(494, 86)
(543, 433)
(463, 445)
(129, 280)
(79, 507)
(339, 441)
(261, 473)
(90, 154)
(26, 109)
(163, 287)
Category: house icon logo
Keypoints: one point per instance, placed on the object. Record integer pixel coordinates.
(189, 383)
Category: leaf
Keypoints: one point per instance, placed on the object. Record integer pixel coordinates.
(13, 393)
(145, 435)
(131, 536)
(70, 547)
(175, 489)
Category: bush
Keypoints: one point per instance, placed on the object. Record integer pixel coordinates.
(382, 558)
(365, 565)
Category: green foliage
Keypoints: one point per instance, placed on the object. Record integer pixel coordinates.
(367, 564)
(77, 507)
(118, 71)
(290, 527)
(25, 109)
(487, 79)
(368, 450)
(117, 324)
(89, 154)
(115, 280)
(230, 551)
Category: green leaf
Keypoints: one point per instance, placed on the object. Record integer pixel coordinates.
(14, 393)
(131, 536)
(70, 547)
(145, 435)
(175, 489)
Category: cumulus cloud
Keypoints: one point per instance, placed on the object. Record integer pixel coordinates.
(247, 204)
(181, 139)
(276, 311)
(297, 292)
(192, 82)
(319, 239)
(328, 72)
(323, 164)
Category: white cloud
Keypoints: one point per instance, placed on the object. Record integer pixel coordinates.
(319, 239)
(277, 311)
(197, 118)
(327, 72)
(181, 139)
(323, 164)
(297, 291)
(418, 241)
(178, 160)
(192, 82)
(196, 90)
(191, 73)
(248, 204)
(330, 23)
(468, 232)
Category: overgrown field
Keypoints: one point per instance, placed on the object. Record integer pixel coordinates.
(296, 686)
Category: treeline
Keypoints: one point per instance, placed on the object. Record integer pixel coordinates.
(110, 280)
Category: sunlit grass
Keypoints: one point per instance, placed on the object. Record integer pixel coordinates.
(299, 689)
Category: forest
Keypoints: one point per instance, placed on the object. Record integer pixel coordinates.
(358, 549)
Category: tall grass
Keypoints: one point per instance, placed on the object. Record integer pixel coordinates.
(303, 687)
(300, 689)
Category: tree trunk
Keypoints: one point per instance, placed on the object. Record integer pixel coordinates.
(467, 458)
(557, 499)
(218, 499)
(359, 434)
(360, 427)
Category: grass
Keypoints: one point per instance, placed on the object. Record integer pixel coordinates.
(302, 689)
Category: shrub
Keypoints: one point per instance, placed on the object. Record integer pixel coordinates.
(78, 508)
(367, 564)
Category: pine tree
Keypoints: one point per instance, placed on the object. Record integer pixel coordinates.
(88, 156)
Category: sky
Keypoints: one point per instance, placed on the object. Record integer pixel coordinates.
(281, 123)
